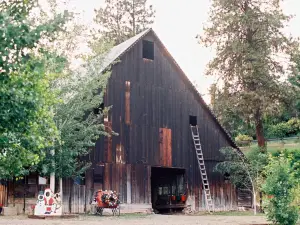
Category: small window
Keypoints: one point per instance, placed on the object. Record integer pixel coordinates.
(98, 174)
(127, 102)
(148, 50)
(193, 120)
(226, 176)
(99, 109)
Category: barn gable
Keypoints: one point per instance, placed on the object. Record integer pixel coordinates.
(118, 51)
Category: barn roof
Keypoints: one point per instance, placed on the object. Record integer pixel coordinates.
(117, 51)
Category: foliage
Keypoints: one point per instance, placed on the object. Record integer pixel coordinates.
(249, 41)
(279, 185)
(26, 123)
(245, 173)
(294, 157)
(284, 129)
(79, 119)
(227, 115)
(243, 139)
(294, 79)
(122, 19)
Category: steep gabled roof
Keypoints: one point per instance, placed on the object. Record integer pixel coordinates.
(116, 52)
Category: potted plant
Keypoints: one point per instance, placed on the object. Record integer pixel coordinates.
(183, 198)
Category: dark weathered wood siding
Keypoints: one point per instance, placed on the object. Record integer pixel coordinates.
(160, 97)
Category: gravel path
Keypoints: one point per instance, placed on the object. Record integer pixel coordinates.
(139, 220)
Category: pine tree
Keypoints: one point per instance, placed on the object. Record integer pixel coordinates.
(122, 19)
(250, 47)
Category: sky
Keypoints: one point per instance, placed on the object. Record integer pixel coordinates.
(177, 23)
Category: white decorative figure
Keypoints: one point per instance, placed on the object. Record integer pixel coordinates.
(40, 205)
(48, 204)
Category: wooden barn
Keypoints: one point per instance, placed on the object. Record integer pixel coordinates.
(152, 162)
(153, 158)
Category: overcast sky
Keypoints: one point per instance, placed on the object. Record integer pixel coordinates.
(177, 23)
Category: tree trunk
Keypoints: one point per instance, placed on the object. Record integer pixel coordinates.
(260, 131)
(254, 202)
(133, 19)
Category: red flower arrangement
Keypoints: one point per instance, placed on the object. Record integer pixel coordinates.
(107, 199)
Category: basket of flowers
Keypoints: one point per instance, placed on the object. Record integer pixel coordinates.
(107, 200)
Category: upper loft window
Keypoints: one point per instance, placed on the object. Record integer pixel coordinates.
(193, 120)
(148, 50)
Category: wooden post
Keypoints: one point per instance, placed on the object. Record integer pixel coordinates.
(52, 175)
(61, 194)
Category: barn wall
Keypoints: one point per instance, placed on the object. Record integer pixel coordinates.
(151, 107)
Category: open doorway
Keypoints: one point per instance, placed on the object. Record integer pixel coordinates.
(168, 190)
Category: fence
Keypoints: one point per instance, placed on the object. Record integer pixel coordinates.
(280, 139)
(270, 141)
(76, 198)
(3, 194)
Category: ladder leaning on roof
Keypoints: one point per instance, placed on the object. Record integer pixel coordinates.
(200, 159)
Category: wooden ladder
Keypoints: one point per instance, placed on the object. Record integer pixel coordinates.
(200, 159)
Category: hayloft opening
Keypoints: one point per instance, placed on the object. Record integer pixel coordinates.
(168, 189)
(148, 50)
(193, 120)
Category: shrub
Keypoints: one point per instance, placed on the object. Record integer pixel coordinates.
(279, 130)
(243, 140)
(279, 186)
(294, 125)
(285, 129)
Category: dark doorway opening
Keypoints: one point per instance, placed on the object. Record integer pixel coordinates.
(168, 189)
(193, 120)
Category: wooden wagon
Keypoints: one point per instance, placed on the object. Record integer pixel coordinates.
(107, 200)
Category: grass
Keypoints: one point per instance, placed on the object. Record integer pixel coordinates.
(275, 146)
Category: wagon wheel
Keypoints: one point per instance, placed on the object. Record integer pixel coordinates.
(101, 211)
(118, 210)
(114, 211)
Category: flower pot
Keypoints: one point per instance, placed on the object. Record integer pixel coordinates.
(183, 198)
(173, 197)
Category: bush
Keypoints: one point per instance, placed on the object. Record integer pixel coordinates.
(279, 187)
(279, 130)
(243, 140)
(285, 129)
(294, 125)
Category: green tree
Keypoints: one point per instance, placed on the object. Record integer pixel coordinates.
(244, 172)
(249, 45)
(26, 121)
(279, 186)
(294, 104)
(227, 114)
(79, 120)
(122, 19)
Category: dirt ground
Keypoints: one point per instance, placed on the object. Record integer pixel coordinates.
(139, 220)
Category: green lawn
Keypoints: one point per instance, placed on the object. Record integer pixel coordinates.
(274, 146)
